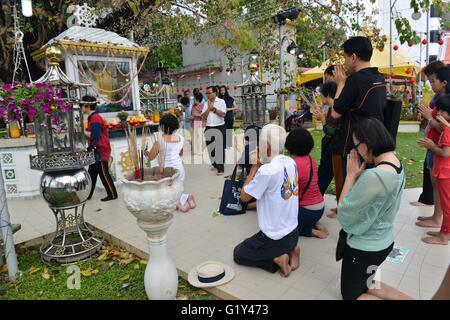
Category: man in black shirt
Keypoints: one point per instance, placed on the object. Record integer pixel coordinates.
(361, 93)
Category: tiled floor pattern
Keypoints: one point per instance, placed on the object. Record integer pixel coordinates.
(197, 236)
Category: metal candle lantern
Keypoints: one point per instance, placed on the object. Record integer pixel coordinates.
(253, 99)
(65, 184)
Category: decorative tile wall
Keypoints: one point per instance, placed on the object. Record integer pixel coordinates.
(7, 158)
(11, 188)
(10, 174)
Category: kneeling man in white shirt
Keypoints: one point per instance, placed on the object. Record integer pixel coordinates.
(273, 182)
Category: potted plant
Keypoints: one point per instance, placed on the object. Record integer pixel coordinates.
(40, 102)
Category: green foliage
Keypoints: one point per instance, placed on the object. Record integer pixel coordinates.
(411, 155)
(405, 31)
(120, 280)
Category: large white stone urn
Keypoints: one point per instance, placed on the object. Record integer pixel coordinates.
(153, 202)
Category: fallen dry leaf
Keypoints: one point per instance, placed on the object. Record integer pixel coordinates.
(136, 266)
(33, 270)
(87, 273)
(143, 262)
(215, 214)
(125, 277)
(46, 276)
(4, 269)
(103, 256)
(127, 261)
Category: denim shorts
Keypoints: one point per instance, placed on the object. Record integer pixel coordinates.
(429, 159)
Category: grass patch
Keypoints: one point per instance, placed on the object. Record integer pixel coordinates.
(114, 275)
(411, 155)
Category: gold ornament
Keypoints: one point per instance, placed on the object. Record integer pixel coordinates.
(125, 161)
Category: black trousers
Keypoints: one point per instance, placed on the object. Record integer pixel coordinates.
(325, 172)
(216, 150)
(101, 168)
(357, 268)
(426, 197)
(259, 250)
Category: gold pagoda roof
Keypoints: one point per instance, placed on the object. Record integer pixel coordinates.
(91, 41)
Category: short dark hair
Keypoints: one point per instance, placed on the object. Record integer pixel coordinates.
(374, 134)
(89, 101)
(443, 103)
(213, 88)
(198, 96)
(184, 101)
(328, 89)
(432, 67)
(360, 46)
(299, 142)
(443, 74)
(169, 123)
(329, 70)
(179, 97)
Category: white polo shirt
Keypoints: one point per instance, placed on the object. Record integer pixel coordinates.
(275, 188)
(213, 119)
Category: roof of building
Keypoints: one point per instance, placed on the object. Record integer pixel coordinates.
(92, 40)
(92, 35)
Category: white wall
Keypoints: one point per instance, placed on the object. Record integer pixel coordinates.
(404, 10)
(196, 56)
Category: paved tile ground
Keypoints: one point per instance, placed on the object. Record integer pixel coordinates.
(197, 236)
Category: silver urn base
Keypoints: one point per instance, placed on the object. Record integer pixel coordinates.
(66, 193)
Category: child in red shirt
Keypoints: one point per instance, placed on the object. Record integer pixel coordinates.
(441, 169)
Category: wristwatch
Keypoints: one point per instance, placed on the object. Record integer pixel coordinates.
(214, 110)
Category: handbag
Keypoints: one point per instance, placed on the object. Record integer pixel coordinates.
(341, 244)
(231, 203)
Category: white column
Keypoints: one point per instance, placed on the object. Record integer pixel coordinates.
(161, 277)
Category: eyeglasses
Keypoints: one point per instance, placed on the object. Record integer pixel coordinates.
(210, 92)
(357, 145)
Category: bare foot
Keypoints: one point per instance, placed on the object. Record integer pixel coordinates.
(440, 239)
(423, 218)
(320, 227)
(219, 173)
(294, 258)
(419, 204)
(319, 234)
(191, 201)
(433, 233)
(283, 262)
(182, 208)
(332, 215)
(428, 224)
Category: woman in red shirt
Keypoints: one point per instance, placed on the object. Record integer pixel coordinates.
(97, 134)
(299, 143)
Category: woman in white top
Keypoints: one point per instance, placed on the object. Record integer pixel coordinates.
(170, 145)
